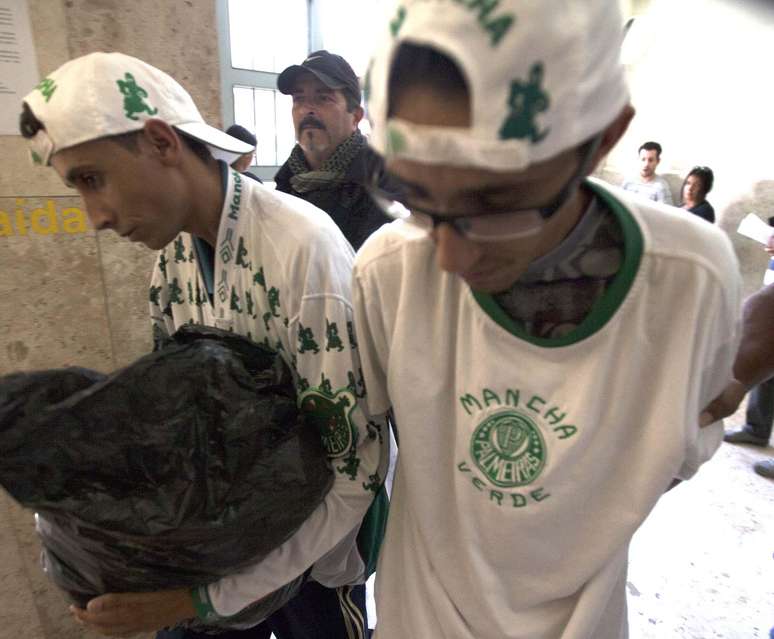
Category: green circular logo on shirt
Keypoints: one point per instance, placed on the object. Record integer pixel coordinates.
(509, 449)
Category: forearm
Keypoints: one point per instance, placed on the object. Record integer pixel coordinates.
(332, 522)
(754, 361)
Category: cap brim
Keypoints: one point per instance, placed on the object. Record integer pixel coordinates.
(287, 78)
(215, 137)
(222, 145)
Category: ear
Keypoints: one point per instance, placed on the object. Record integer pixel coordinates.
(357, 114)
(613, 134)
(162, 141)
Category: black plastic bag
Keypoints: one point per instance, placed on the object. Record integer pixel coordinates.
(189, 464)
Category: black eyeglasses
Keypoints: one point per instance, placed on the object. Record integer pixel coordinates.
(492, 226)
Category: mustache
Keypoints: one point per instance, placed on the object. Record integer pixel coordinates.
(310, 121)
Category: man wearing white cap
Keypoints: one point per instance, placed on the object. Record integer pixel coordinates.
(264, 264)
(519, 320)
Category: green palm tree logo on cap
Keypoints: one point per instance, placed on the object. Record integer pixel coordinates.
(134, 97)
(47, 87)
(526, 100)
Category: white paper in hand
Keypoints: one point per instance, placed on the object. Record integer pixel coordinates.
(755, 228)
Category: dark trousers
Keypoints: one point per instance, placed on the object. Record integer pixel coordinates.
(316, 612)
(760, 409)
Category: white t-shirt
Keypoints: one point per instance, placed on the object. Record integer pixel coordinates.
(283, 278)
(526, 465)
(657, 189)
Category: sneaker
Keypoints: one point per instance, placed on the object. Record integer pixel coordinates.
(744, 436)
(765, 468)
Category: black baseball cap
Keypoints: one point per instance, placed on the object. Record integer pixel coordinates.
(241, 133)
(330, 69)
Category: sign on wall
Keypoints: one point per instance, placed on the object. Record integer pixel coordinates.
(18, 64)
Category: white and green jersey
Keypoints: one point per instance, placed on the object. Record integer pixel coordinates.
(527, 464)
(282, 277)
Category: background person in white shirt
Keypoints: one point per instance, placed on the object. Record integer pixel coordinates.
(648, 184)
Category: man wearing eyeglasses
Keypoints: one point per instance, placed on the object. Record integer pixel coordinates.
(546, 342)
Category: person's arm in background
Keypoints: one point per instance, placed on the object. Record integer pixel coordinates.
(754, 361)
(667, 194)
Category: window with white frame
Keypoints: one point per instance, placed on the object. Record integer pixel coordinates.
(259, 38)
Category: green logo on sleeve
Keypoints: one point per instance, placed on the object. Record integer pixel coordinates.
(526, 100)
(332, 413)
(134, 97)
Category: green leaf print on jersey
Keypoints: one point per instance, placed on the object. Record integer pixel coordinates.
(374, 482)
(375, 431)
(168, 310)
(242, 254)
(200, 299)
(357, 387)
(175, 293)
(351, 335)
(278, 346)
(351, 464)
(250, 305)
(163, 264)
(303, 384)
(153, 294)
(179, 250)
(332, 335)
(234, 306)
(191, 256)
(325, 385)
(190, 293)
(258, 278)
(274, 301)
(266, 317)
(306, 340)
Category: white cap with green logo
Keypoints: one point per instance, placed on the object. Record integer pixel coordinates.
(543, 75)
(103, 94)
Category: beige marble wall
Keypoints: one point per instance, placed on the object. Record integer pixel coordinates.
(71, 296)
(78, 297)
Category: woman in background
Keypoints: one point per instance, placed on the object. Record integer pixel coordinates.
(697, 184)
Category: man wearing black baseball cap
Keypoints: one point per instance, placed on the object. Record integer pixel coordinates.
(243, 162)
(331, 159)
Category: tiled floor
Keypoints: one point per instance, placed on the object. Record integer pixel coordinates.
(701, 567)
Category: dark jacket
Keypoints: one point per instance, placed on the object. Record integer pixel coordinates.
(350, 206)
(704, 210)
